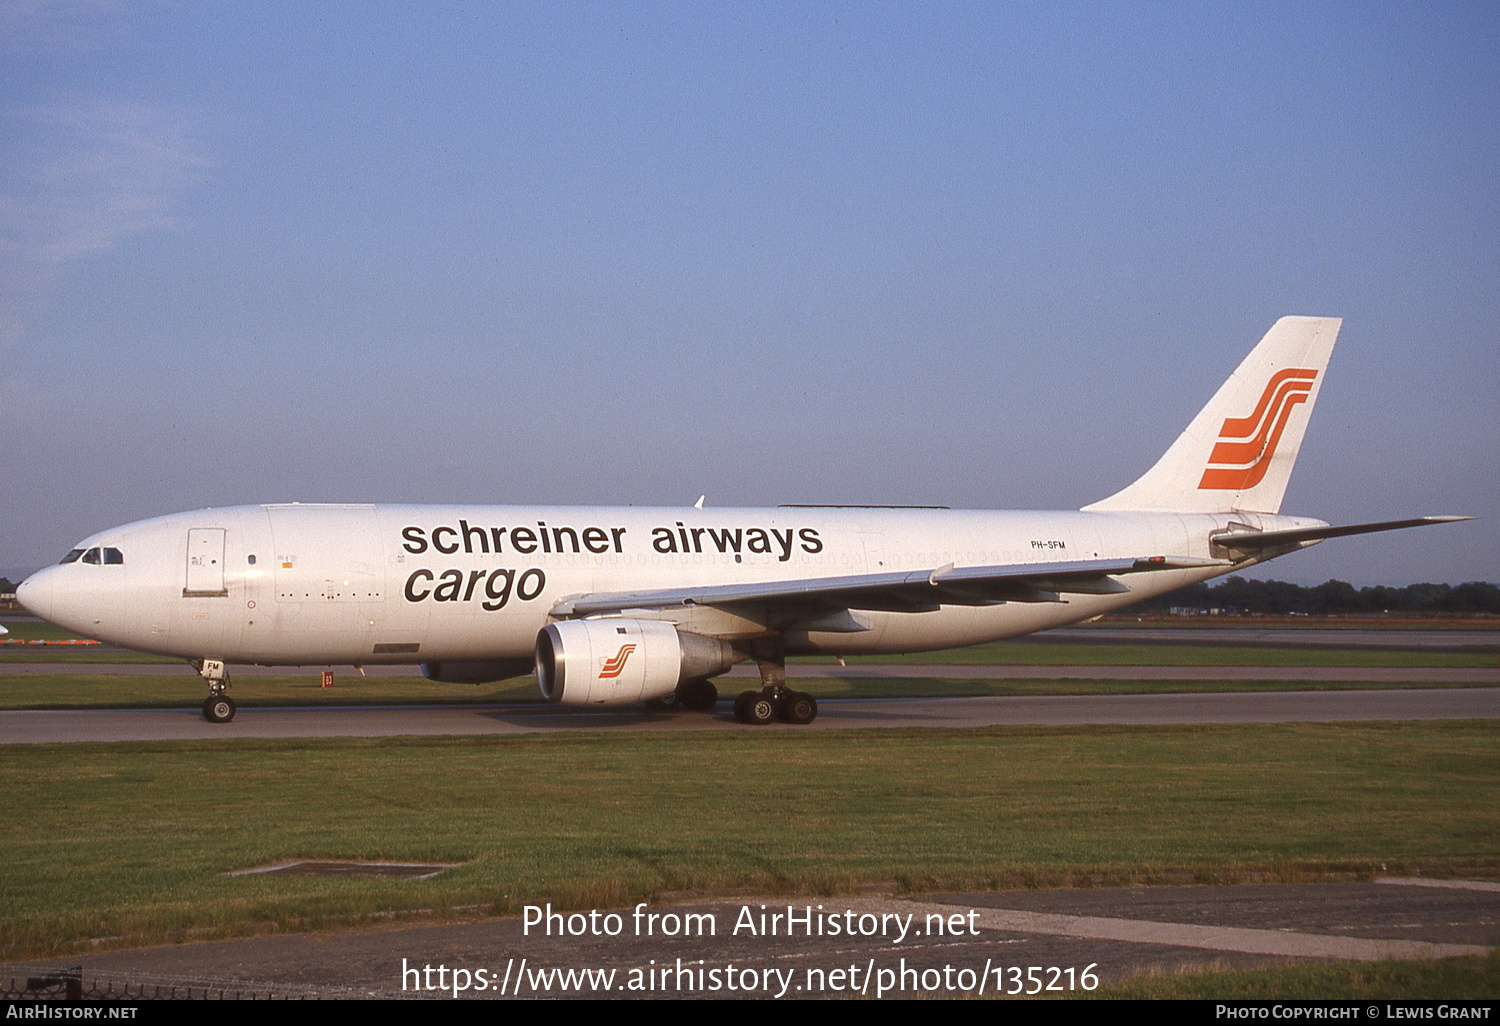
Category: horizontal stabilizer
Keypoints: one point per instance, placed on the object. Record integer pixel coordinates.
(1256, 541)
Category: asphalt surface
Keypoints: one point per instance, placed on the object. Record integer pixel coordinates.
(63, 726)
(933, 945)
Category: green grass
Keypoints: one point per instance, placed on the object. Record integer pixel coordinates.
(1042, 653)
(938, 687)
(1471, 978)
(35, 630)
(82, 655)
(130, 841)
(180, 691)
(147, 691)
(38, 630)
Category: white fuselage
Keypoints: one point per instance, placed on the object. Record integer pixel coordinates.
(364, 584)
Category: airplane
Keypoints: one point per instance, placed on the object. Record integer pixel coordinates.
(615, 605)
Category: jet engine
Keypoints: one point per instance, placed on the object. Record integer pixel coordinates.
(611, 661)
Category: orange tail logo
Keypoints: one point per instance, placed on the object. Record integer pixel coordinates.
(1246, 444)
(615, 664)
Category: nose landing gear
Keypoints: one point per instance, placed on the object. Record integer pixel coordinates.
(217, 707)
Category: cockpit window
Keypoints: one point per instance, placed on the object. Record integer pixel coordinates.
(91, 556)
(71, 557)
(114, 557)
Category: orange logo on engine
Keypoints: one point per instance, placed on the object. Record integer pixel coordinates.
(615, 664)
(1246, 444)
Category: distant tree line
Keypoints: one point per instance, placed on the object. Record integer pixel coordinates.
(1236, 594)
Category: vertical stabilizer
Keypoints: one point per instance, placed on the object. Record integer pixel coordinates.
(1238, 453)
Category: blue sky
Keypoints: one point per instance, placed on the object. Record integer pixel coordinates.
(983, 255)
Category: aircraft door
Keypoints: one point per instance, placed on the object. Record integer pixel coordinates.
(205, 563)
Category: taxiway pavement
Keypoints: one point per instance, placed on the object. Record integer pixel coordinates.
(72, 726)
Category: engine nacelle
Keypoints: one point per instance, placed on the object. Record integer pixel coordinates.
(476, 672)
(613, 661)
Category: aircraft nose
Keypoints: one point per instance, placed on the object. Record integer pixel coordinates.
(35, 594)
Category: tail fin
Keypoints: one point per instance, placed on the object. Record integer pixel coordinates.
(1237, 454)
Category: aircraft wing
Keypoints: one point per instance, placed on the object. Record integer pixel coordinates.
(900, 591)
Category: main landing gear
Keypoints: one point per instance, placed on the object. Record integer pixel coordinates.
(217, 707)
(761, 707)
(774, 700)
(693, 695)
(697, 695)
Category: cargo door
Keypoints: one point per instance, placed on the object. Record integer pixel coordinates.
(329, 573)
